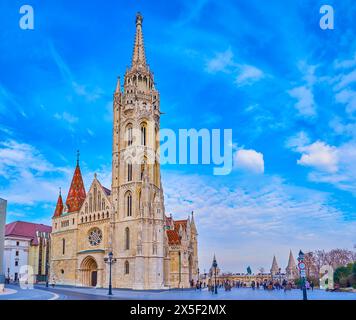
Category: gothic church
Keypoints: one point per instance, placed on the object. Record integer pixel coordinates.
(151, 250)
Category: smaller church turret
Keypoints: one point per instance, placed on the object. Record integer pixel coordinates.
(274, 268)
(59, 207)
(291, 270)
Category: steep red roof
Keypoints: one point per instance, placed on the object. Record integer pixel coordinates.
(76, 193)
(59, 207)
(26, 230)
(173, 237)
(179, 223)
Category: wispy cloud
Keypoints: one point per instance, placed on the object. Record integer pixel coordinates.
(81, 90)
(71, 119)
(244, 74)
(268, 214)
(30, 177)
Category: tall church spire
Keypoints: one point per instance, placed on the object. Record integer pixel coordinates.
(138, 57)
(76, 195)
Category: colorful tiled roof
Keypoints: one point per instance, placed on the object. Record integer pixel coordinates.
(26, 230)
(76, 195)
(179, 223)
(59, 207)
(173, 237)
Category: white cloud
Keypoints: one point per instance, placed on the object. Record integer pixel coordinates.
(266, 213)
(221, 62)
(249, 160)
(71, 119)
(299, 140)
(30, 178)
(244, 74)
(317, 155)
(345, 64)
(305, 100)
(347, 97)
(320, 156)
(248, 74)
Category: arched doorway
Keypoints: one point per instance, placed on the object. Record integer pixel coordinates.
(89, 270)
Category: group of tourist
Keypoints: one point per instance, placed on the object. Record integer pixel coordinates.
(266, 285)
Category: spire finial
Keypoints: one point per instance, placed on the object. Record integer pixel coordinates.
(60, 191)
(139, 18)
(78, 156)
(138, 58)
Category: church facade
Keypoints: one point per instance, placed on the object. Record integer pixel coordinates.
(151, 249)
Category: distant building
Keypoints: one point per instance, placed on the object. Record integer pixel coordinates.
(291, 270)
(3, 205)
(27, 244)
(291, 273)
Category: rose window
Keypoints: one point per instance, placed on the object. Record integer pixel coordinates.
(95, 237)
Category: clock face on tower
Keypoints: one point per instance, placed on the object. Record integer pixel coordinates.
(95, 237)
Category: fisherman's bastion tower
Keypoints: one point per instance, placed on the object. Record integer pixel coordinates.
(152, 250)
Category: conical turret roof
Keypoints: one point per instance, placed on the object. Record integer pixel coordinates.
(76, 194)
(59, 207)
(274, 268)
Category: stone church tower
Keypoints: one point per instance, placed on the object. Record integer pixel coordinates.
(138, 221)
(152, 251)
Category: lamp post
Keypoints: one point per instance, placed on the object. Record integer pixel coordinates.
(198, 276)
(301, 266)
(47, 273)
(215, 265)
(110, 260)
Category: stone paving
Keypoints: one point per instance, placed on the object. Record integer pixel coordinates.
(72, 293)
(234, 294)
(16, 293)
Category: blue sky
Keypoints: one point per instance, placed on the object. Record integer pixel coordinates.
(286, 87)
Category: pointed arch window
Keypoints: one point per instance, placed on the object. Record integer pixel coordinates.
(129, 172)
(143, 134)
(129, 204)
(95, 193)
(63, 246)
(127, 239)
(129, 135)
(90, 203)
(127, 267)
(99, 201)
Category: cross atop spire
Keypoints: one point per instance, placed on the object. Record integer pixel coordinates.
(78, 157)
(139, 58)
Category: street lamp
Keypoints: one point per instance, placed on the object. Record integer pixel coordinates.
(215, 265)
(47, 273)
(301, 266)
(110, 260)
(198, 276)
